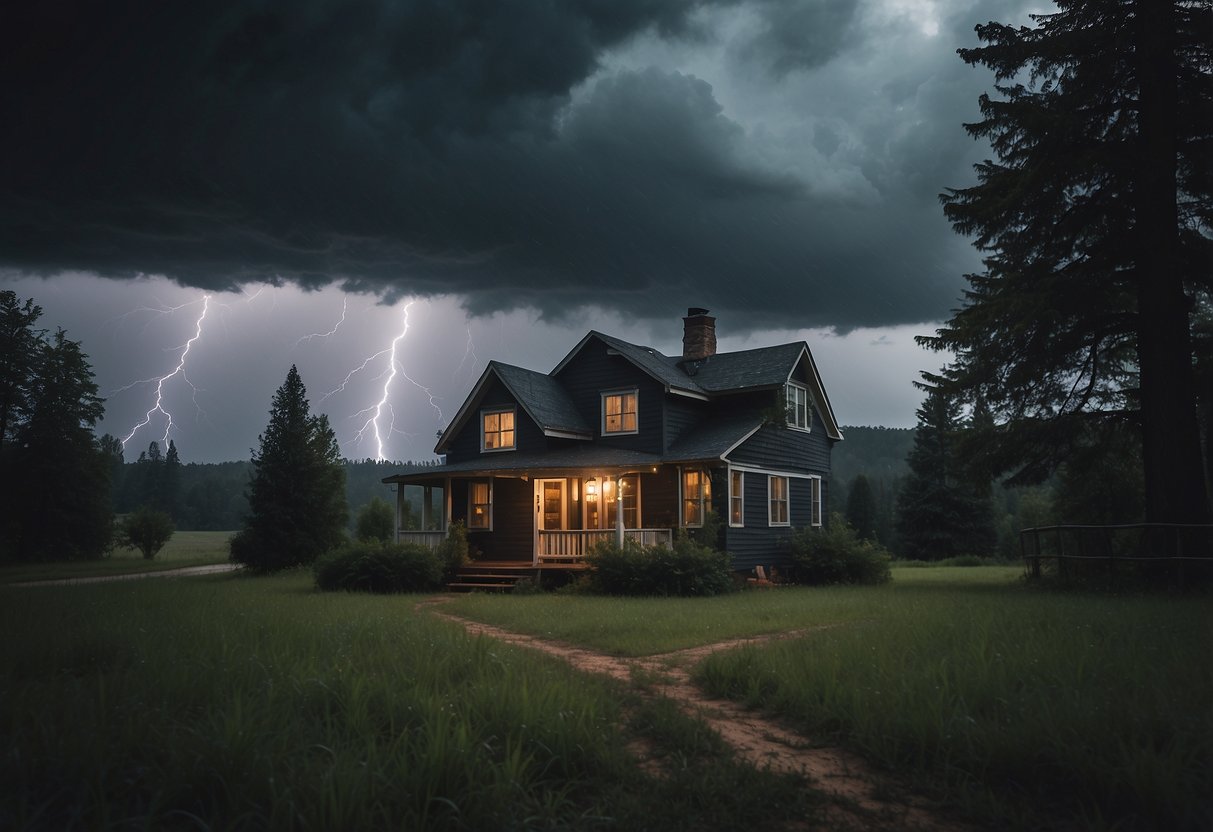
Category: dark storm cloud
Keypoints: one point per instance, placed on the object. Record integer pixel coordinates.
(475, 147)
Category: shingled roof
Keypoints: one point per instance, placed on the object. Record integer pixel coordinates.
(538, 394)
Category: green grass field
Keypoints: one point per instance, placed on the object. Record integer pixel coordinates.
(244, 702)
(237, 702)
(1024, 708)
(184, 549)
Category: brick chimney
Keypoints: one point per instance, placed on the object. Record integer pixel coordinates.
(698, 335)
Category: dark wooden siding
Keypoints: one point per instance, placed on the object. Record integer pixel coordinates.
(758, 544)
(659, 498)
(591, 372)
(681, 414)
(512, 536)
(787, 450)
(466, 444)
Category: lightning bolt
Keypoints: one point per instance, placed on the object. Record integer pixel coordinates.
(469, 351)
(379, 419)
(336, 326)
(161, 380)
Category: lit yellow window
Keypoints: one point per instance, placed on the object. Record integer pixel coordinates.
(498, 430)
(619, 412)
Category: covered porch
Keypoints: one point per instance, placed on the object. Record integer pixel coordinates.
(545, 518)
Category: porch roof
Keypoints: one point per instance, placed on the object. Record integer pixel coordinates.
(715, 439)
(575, 459)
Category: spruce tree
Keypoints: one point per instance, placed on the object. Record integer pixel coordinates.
(169, 497)
(1094, 225)
(62, 509)
(296, 494)
(861, 508)
(940, 513)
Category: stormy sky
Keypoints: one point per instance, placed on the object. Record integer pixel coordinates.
(519, 171)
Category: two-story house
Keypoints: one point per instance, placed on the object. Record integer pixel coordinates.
(621, 441)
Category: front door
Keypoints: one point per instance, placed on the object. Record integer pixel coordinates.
(550, 505)
(551, 514)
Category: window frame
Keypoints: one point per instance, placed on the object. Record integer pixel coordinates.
(737, 498)
(815, 501)
(622, 393)
(786, 501)
(704, 501)
(794, 408)
(491, 411)
(488, 484)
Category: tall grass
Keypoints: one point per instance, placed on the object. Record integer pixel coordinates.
(1034, 710)
(255, 703)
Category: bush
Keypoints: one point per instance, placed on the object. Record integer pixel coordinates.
(370, 566)
(687, 569)
(453, 552)
(836, 555)
(146, 530)
(376, 521)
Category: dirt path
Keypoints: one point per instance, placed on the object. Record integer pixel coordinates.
(863, 798)
(183, 572)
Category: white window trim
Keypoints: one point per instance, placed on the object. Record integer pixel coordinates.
(787, 500)
(808, 408)
(740, 524)
(635, 391)
(815, 507)
(471, 505)
(704, 501)
(488, 411)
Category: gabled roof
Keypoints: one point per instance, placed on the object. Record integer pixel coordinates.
(539, 395)
(661, 368)
(722, 373)
(746, 369)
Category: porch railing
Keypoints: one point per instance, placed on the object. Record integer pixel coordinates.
(572, 545)
(429, 539)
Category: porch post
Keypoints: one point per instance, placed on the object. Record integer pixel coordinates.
(399, 500)
(619, 512)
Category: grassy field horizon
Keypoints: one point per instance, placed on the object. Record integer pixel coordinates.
(185, 548)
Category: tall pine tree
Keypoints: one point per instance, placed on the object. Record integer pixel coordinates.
(940, 512)
(1094, 223)
(62, 509)
(297, 491)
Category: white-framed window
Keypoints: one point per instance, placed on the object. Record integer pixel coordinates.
(696, 496)
(619, 412)
(497, 430)
(798, 406)
(480, 505)
(601, 504)
(815, 500)
(777, 501)
(736, 498)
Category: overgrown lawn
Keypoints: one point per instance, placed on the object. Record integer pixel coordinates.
(237, 702)
(1025, 708)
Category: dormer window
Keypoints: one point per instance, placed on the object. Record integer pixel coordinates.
(497, 430)
(798, 406)
(619, 415)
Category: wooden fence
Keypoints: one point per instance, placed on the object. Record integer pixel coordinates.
(1087, 551)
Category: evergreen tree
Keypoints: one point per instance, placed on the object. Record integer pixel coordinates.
(1094, 223)
(861, 508)
(111, 450)
(169, 498)
(20, 346)
(939, 512)
(62, 510)
(296, 495)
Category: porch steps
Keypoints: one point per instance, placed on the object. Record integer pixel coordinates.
(478, 578)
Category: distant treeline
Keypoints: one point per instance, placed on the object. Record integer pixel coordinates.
(210, 496)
